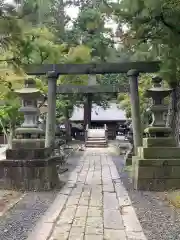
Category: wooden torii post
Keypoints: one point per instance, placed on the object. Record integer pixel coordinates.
(54, 70)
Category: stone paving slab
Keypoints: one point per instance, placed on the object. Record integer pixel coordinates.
(93, 205)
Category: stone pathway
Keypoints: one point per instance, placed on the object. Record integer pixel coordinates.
(93, 205)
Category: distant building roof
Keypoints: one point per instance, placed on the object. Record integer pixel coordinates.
(113, 113)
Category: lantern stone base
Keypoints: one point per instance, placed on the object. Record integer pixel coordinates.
(156, 174)
(128, 156)
(28, 154)
(35, 174)
(28, 143)
(157, 165)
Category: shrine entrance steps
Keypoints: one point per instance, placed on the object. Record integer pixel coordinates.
(96, 142)
(96, 138)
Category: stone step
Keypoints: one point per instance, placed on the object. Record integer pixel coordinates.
(159, 153)
(156, 162)
(96, 141)
(159, 142)
(96, 146)
(96, 138)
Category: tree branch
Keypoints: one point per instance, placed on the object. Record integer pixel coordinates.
(7, 60)
(168, 25)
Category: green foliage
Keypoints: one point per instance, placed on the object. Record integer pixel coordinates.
(90, 20)
(91, 30)
(9, 114)
(38, 46)
(124, 99)
(64, 107)
(10, 26)
(153, 26)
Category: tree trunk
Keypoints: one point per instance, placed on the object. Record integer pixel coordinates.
(10, 138)
(173, 120)
(11, 135)
(87, 109)
(60, 18)
(68, 129)
(67, 126)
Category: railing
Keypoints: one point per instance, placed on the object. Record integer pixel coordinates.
(102, 133)
(95, 127)
(86, 133)
(106, 132)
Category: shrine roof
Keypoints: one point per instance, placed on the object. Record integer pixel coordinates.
(112, 113)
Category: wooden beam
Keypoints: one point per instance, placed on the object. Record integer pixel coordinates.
(62, 89)
(102, 68)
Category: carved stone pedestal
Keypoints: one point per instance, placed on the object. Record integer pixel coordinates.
(157, 165)
(128, 156)
(28, 169)
(130, 152)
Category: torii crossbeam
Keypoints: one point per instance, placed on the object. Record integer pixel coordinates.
(93, 68)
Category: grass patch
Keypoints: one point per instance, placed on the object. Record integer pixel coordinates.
(173, 197)
(114, 150)
(128, 170)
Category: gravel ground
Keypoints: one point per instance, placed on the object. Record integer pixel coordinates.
(159, 221)
(21, 219)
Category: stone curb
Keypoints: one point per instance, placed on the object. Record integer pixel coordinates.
(44, 227)
(12, 204)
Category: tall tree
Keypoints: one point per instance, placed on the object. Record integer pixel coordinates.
(154, 25)
(90, 30)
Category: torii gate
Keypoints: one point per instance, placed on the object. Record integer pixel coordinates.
(54, 70)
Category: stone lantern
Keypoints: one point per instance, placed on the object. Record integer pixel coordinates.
(29, 134)
(157, 93)
(157, 164)
(29, 165)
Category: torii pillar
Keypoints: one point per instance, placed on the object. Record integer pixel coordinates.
(88, 101)
(135, 108)
(51, 109)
